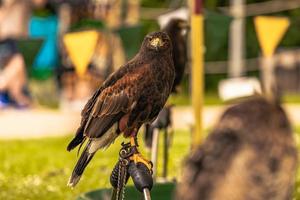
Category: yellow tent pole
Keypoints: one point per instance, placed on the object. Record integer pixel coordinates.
(197, 44)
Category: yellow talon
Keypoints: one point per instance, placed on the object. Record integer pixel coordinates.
(138, 158)
(132, 141)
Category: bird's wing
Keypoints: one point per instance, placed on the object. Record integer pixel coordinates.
(113, 103)
(85, 113)
(112, 79)
(108, 109)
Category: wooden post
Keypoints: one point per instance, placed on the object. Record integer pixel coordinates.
(268, 77)
(236, 46)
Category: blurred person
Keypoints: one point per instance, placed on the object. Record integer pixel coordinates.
(39, 3)
(117, 13)
(44, 24)
(80, 16)
(76, 16)
(250, 154)
(13, 17)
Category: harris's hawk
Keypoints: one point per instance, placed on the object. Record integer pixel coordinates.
(176, 29)
(130, 97)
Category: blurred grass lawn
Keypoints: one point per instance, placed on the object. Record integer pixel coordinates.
(212, 98)
(183, 99)
(40, 168)
(49, 89)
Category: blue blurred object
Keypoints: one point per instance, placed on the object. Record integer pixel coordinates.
(4, 100)
(47, 29)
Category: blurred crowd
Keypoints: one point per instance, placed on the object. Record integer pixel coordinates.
(34, 62)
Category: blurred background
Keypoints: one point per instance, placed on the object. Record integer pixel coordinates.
(55, 53)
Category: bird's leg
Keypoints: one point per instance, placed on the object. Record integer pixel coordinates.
(137, 156)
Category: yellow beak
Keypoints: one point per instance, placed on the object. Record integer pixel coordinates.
(156, 42)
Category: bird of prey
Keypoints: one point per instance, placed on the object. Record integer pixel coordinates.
(130, 97)
(176, 29)
(250, 154)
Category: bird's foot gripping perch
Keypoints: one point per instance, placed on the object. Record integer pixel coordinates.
(131, 164)
(137, 157)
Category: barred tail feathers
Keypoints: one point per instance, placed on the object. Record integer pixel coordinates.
(81, 164)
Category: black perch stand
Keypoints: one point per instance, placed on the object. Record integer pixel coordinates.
(126, 167)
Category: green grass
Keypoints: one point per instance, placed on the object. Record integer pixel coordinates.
(212, 98)
(297, 184)
(183, 99)
(40, 168)
(179, 100)
(291, 98)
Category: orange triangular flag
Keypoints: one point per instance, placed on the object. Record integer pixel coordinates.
(270, 31)
(80, 47)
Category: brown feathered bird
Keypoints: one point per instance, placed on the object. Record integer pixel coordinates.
(130, 97)
(250, 155)
(176, 29)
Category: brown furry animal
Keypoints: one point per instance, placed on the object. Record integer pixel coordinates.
(250, 155)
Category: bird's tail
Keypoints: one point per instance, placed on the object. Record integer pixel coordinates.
(82, 162)
(79, 138)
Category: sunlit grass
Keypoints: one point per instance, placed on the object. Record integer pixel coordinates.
(39, 169)
(184, 99)
(291, 98)
(297, 184)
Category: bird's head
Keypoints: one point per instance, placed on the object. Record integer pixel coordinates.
(157, 41)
